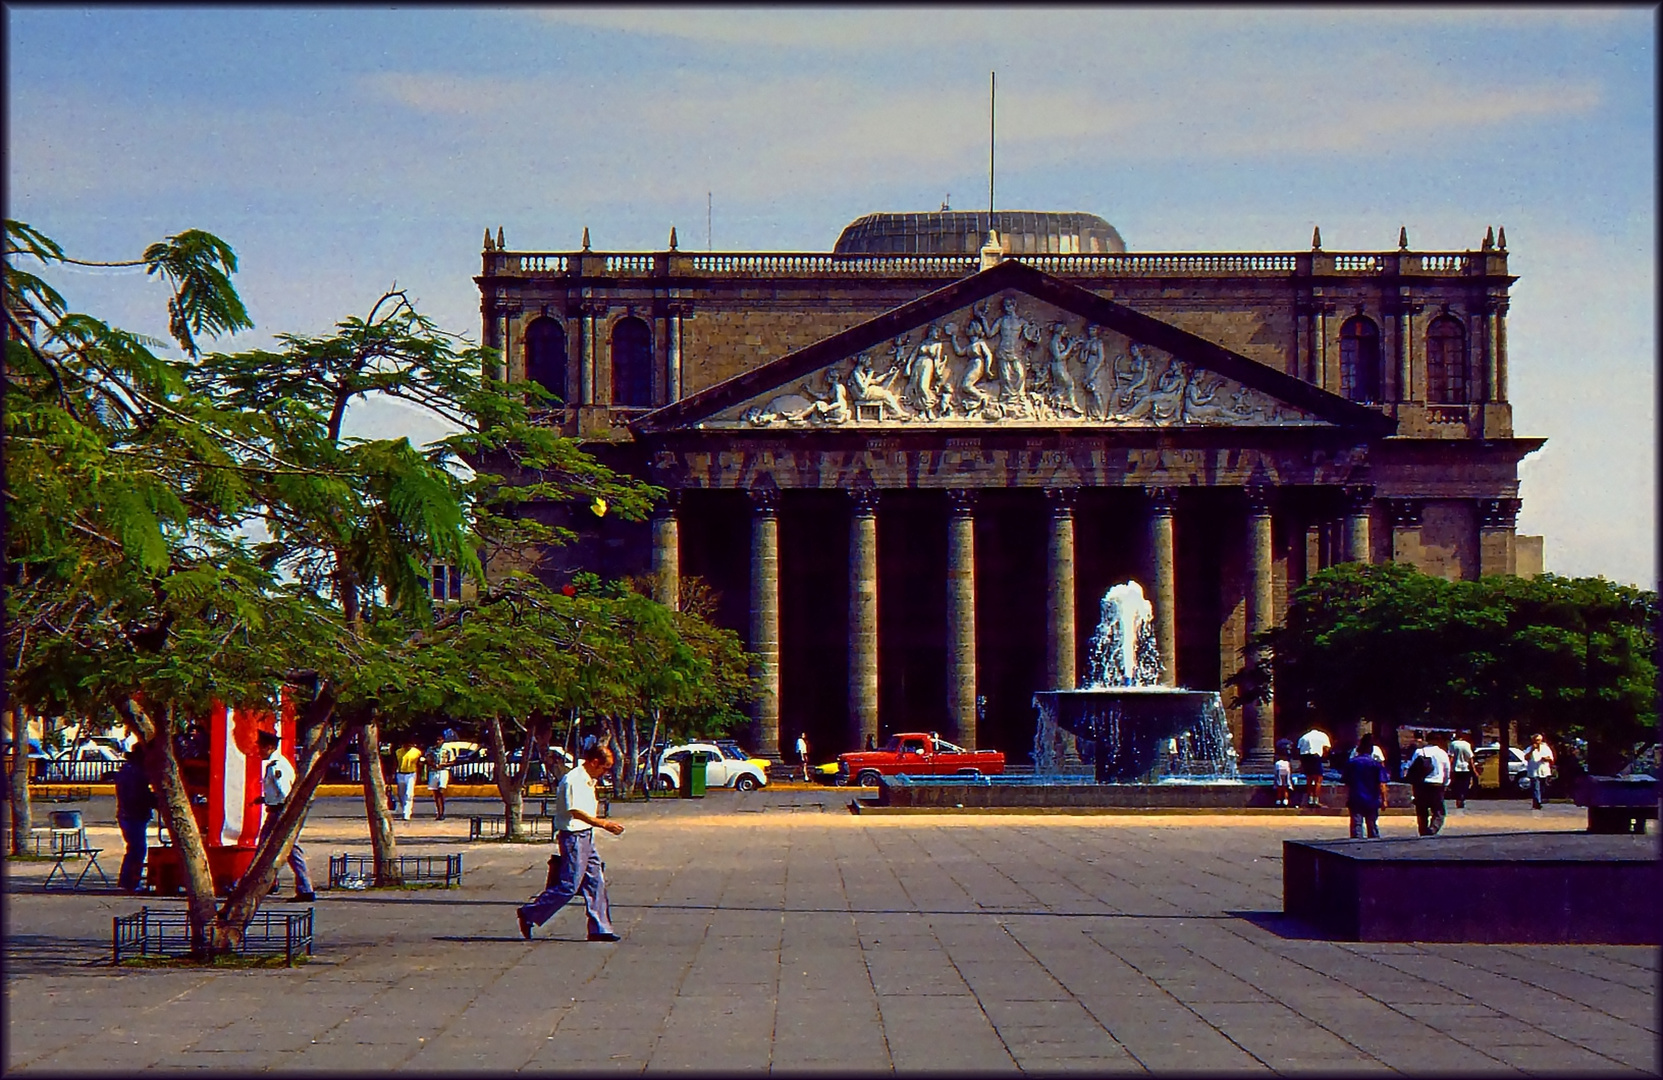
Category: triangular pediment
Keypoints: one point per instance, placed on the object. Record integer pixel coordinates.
(1012, 347)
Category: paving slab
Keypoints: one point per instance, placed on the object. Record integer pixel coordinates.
(761, 936)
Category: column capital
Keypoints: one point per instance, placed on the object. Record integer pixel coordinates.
(765, 501)
(1162, 500)
(1498, 513)
(864, 501)
(1404, 513)
(1358, 498)
(1062, 500)
(1259, 499)
(593, 308)
(669, 505)
(961, 502)
(679, 309)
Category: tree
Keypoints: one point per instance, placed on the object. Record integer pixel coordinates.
(130, 479)
(1392, 645)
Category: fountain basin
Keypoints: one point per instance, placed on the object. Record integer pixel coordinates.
(1130, 732)
(1085, 794)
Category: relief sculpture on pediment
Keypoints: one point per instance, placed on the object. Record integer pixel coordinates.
(1017, 366)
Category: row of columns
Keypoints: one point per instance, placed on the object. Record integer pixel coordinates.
(1061, 618)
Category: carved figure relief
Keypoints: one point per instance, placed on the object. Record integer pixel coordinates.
(975, 369)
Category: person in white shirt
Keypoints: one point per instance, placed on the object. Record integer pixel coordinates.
(1538, 763)
(577, 867)
(276, 784)
(1428, 785)
(1313, 747)
(1460, 769)
(802, 754)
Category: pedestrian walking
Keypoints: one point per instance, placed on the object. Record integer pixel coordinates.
(276, 785)
(802, 754)
(1538, 762)
(576, 867)
(1460, 769)
(438, 778)
(135, 802)
(1428, 775)
(1313, 747)
(1365, 790)
(404, 776)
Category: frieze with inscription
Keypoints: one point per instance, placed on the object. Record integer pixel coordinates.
(1019, 362)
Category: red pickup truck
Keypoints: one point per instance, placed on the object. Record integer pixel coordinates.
(916, 753)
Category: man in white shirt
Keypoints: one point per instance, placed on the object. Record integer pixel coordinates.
(276, 784)
(1428, 789)
(802, 754)
(1538, 762)
(578, 867)
(1313, 747)
(1460, 769)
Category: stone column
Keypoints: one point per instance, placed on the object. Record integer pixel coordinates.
(1501, 353)
(666, 553)
(863, 615)
(961, 615)
(1059, 591)
(673, 364)
(1497, 547)
(499, 370)
(1164, 564)
(1357, 503)
(1259, 718)
(586, 360)
(765, 619)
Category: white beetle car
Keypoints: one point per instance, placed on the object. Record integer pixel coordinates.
(724, 767)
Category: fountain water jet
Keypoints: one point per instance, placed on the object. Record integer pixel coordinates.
(1135, 730)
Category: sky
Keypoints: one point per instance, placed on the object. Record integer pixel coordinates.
(343, 150)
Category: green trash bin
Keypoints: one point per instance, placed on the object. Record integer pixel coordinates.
(693, 776)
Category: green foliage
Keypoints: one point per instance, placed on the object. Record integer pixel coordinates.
(1573, 658)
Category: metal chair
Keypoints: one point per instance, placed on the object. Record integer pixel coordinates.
(70, 844)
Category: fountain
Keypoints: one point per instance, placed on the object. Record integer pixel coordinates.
(1137, 731)
(1148, 745)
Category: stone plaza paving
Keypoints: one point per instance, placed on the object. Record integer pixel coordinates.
(775, 931)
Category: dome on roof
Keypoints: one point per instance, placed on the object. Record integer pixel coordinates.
(958, 232)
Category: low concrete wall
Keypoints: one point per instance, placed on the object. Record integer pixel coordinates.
(1543, 888)
(899, 791)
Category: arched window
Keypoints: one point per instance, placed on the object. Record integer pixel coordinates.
(631, 363)
(545, 356)
(1360, 360)
(1446, 362)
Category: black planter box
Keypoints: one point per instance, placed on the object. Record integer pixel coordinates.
(1537, 888)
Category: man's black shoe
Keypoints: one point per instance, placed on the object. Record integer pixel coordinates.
(604, 937)
(525, 925)
(303, 898)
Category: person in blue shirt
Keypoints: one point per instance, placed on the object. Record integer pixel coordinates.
(1365, 786)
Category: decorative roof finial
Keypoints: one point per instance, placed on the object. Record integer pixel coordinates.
(500, 245)
(488, 245)
(1316, 238)
(586, 238)
(1501, 239)
(1489, 238)
(672, 237)
(1403, 238)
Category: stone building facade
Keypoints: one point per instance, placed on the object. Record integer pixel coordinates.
(910, 472)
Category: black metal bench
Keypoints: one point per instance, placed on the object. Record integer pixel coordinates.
(1617, 804)
(495, 826)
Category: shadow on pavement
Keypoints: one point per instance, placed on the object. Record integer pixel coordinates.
(1282, 925)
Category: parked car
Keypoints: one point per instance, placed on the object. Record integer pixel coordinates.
(725, 766)
(1484, 759)
(917, 753)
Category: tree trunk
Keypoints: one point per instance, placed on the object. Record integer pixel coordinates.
(509, 788)
(382, 842)
(651, 777)
(1504, 739)
(209, 936)
(17, 780)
